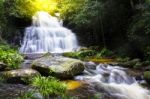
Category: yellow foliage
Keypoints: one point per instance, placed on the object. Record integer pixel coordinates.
(72, 84)
(101, 60)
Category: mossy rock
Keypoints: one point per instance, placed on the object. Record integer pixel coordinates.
(60, 67)
(19, 76)
(147, 76)
(135, 63)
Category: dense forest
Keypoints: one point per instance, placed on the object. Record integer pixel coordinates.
(115, 30)
(104, 23)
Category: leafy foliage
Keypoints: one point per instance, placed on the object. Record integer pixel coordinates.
(83, 54)
(104, 53)
(80, 54)
(139, 31)
(49, 86)
(10, 57)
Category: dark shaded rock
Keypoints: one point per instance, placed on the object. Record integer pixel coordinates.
(135, 73)
(60, 67)
(147, 76)
(19, 76)
(90, 65)
(2, 66)
(12, 91)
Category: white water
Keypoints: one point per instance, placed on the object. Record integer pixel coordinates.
(47, 35)
(115, 81)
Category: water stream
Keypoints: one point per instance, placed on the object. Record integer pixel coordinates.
(113, 80)
(47, 35)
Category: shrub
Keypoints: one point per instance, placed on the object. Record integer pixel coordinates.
(9, 56)
(49, 86)
(4, 47)
(104, 53)
(86, 53)
(80, 54)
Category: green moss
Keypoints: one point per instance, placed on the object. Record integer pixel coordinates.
(147, 76)
(71, 54)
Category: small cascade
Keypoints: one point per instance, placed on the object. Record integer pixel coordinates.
(47, 35)
(113, 80)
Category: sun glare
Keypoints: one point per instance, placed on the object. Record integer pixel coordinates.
(45, 5)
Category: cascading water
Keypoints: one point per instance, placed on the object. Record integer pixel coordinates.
(47, 35)
(114, 81)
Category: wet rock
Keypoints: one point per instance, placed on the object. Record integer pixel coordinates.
(2, 66)
(12, 91)
(60, 67)
(26, 64)
(34, 56)
(19, 76)
(135, 73)
(90, 65)
(147, 76)
(38, 96)
(131, 63)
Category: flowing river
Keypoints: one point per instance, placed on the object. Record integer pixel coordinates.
(113, 80)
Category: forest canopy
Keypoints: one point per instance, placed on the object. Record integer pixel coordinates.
(105, 23)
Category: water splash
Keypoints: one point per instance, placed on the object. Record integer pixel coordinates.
(115, 81)
(47, 35)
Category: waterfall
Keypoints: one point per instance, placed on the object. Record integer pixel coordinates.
(47, 35)
(115, 81)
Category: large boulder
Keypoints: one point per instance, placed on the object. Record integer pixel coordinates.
(60, 67)
(19, 75)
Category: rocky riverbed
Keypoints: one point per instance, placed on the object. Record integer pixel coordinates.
(97, 80)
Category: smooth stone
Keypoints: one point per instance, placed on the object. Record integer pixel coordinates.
(60, 67)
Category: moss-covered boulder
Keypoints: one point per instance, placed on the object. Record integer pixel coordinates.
(2, 66)
(147, 76)
(60, 67)
(19, 76)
